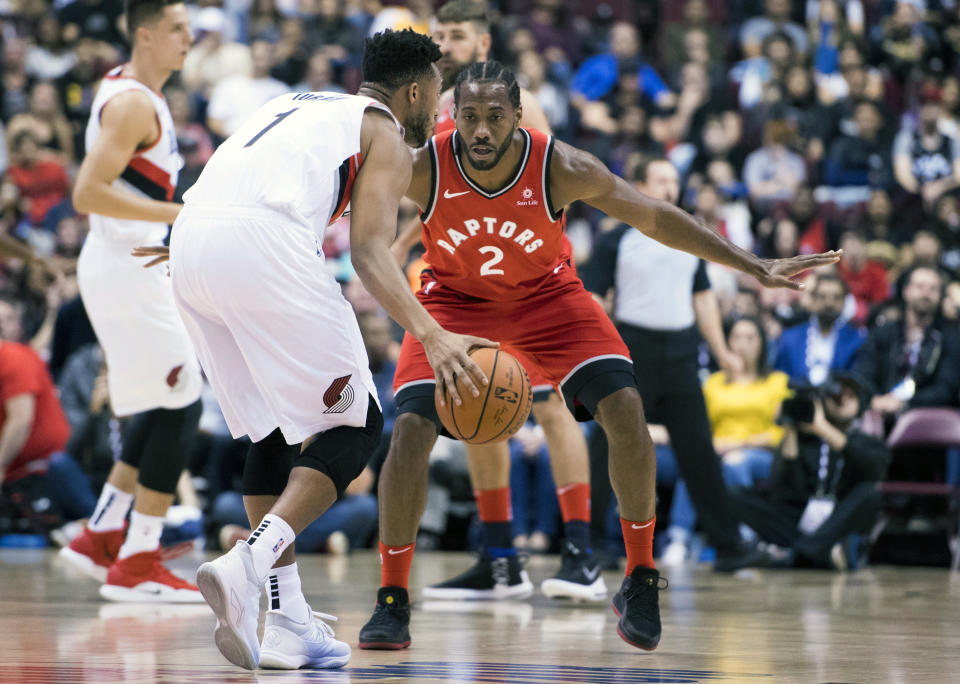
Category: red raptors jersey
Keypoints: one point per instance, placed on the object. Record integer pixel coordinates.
(492, 245)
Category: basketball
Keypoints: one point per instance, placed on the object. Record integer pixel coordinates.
(502, 407)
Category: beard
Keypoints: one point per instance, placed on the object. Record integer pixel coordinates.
(827, 317)
(417, 128)
(923, 307)
(497, 156)
(450, 70)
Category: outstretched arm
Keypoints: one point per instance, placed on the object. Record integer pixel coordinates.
(578, 175)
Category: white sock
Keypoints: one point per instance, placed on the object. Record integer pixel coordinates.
(143, 535)
(284, 593)
(271, 538)
(111, 509)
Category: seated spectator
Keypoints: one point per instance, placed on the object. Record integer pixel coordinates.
(50, 58)
(599, 75)
(866, 279)
(903, 40)
(36, 181)
(861, 158)
(235, 98)
(696, 18)
(774, 172)
(742, 405)
(776, 17)
(536, 509)
(33, 430)
(319, 76)
(809, 351)
(915, 361)
(926, 161)
(213, 59)
(823, 482)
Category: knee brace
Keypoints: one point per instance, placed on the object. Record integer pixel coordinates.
(267, 466)
(342, 453)
(166, 438)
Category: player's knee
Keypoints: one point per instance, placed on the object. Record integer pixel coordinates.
(621, 415)
(552, 414)
(343, 452)
(413, 435)
(267, 466)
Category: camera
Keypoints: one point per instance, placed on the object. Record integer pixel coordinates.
(799, 408)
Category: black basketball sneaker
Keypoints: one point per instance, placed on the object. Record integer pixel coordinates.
(637, 603)
(489, 578)
(579, 577)
(389, 626)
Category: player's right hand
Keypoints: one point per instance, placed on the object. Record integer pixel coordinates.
(448, 354)
(160, 253)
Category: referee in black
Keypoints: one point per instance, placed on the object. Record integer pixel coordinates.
(662, 296)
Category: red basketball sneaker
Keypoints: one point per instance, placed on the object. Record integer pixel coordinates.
(142, 578)
(94, 552)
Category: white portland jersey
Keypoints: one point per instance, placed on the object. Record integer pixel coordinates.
(297, 155)
(152, 171)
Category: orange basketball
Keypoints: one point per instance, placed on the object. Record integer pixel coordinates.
(502, 407)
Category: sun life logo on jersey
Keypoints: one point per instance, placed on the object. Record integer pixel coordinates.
(527, 201)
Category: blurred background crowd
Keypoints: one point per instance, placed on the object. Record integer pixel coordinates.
(796, 126)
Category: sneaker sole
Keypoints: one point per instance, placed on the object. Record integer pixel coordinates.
(114, 592)
(584, 593)
(274, 660)
(83, 563)
(516, 592)
(635, 644)
(384, 645)
(229, 641)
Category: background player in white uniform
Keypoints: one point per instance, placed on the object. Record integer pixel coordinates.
(280, 344)
(126, 183)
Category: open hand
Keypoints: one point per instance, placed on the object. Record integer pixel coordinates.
(778, 272)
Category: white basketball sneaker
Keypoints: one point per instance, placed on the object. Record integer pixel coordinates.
(232, 589)
(290, 645)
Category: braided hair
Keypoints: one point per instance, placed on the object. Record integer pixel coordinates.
(489, 72)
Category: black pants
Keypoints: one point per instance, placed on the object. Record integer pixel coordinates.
(776, 521)
(665, 364)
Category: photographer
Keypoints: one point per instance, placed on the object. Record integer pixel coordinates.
(823, 478)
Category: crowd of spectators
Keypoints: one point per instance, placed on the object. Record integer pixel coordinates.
(796, 127)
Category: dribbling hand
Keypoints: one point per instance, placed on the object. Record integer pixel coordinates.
(448, 355)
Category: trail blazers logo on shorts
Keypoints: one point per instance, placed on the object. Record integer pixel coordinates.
(339, 395)
(173, 377)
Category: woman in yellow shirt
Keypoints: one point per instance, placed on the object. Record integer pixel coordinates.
(743, 406)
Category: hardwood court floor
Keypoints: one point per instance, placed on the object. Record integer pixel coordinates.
(878, 625)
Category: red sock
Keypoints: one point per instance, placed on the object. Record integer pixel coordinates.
(575, 501)
(493, 505)
(638, 538)
(395, 565)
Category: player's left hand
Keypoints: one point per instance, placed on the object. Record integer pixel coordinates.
(160, 254)
(778, 272)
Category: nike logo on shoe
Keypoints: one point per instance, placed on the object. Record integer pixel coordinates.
(640, 527)
(450, 195)
(591, 574)
(395, 552)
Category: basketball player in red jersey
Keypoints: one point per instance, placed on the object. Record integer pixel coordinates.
(493, 196)
(462, 30)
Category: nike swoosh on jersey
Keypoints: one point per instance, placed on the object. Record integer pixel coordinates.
(640, 527)
(393, 552)
(450, 195)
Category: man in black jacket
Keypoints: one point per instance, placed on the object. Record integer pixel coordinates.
(823, 480)
(915, 361)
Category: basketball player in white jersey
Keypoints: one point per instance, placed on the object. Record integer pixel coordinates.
(126, 184)
(462, 30)
(278, 341)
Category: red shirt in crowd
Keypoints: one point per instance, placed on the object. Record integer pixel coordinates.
(868, 286)
(44, 183)
(23, 372)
